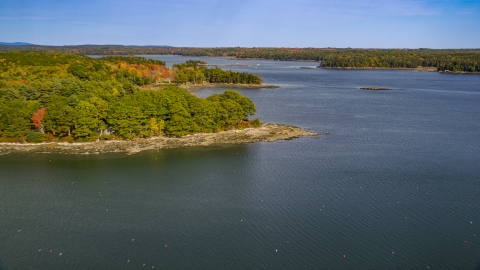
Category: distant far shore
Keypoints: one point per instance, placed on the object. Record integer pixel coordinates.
(266, 133)
(425, 69)
(271, 59)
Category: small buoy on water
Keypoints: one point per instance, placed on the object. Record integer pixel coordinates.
(344, 256)
(166, 246)
(128, 261)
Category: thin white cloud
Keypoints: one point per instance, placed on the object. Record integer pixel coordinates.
(8, 18)
(371, 7)
(76, 22)
(36, 18)
(465, 11)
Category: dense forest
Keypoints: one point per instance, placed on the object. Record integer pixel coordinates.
(454, 60)
(195, 71)
(51, 96)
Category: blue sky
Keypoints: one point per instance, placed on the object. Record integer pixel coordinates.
(247, 23)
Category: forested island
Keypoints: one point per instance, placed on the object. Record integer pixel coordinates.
(65, 97)
(443, 60)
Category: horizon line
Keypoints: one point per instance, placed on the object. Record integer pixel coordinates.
(22, 44)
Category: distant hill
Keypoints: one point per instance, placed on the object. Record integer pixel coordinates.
(15, 43)
(162, 46)
(116, 45)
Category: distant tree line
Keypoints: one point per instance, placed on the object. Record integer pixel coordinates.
(47, 96)
(455, 60)
(196, 71)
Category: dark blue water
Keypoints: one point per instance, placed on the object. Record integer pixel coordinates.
(394, 185)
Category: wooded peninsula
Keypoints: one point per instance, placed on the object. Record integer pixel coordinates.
(443, 60)
(66, 97)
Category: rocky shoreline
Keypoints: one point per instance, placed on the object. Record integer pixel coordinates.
(226, 85)
(266, 133)
(424, 69)
(272, 59)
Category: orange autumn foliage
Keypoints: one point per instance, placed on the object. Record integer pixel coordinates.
(38, 117)
(148, 70)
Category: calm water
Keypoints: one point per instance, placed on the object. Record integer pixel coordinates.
(393, 186)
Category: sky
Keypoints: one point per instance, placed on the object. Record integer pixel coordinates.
(247, 23)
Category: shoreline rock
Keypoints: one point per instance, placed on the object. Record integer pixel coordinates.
(375, 88)
(266, 133)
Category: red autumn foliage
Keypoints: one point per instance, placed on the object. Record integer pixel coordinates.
(38, 117)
